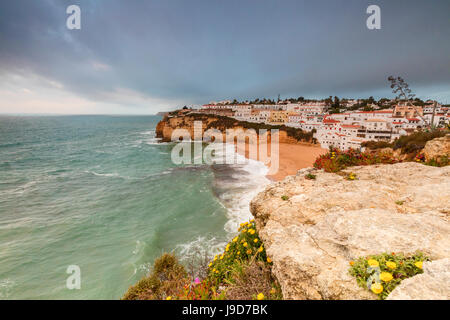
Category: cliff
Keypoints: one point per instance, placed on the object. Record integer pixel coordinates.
(313, 228)
(168, 124)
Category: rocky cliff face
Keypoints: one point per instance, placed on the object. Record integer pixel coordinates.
(166, 127)
(330, 221)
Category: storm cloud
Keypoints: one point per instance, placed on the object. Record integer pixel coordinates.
(147, 56)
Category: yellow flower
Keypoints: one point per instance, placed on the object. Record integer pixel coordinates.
(169, 298)
(376, 288)
(221, 257)
(214, 270)
(251, 231)
(391, 265)
(419, 264)
(269, 260)
(260, 249)
(238, 252)
(373, 263)
(210, 264)
(386, 276)
(217, 271)
(255, 241)
(245, 244)
(235, 239)
(227, 247)
(352, 263)
(260, 296)
(215, 258)
(253, 220)
(249, 251)
(273, 291)
(244, 230)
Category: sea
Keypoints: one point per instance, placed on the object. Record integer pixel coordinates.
(101, 193)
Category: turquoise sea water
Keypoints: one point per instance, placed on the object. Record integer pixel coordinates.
(100, 192)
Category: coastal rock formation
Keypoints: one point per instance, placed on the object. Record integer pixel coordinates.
(431, 285)
(437, 148)
(166, 127)
(329, 221)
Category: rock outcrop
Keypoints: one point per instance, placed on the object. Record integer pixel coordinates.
(168, 124)
(329, 221)
(437, 148)
(431, 285)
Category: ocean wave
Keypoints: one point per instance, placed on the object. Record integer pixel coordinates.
(237, 187)
(20, 190)
(103, 174)
(201, 246)
(6, 286)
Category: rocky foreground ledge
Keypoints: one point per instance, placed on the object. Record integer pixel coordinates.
(325, 223)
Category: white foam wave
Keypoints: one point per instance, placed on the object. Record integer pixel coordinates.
(6, 286)
(103, 174)
(199, 247)
(248, 180)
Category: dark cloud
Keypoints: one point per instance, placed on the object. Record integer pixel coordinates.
(196, 51)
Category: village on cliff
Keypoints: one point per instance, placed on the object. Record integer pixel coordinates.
(341, 124)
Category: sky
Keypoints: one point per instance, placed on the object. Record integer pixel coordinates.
(143, 57)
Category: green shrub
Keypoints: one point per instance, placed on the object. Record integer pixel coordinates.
(373, 145)
(336, 160)
(310, 176)
(167, 277)
(416, 141)
(284, 198)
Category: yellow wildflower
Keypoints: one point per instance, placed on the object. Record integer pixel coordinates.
(260, 296)
(235, 239)
(221, 257)
(373, 263)
(391, 265)
(260, 249)
(169, 298)
(255, 241)
(352, 263)
(249, 251)
(227, 247)
(210, 264)
(269, 260)
(376, 288)
(245, 244)
(419, 264)
(386, 276)
(238, 252)
(215, 258)
(273, 291)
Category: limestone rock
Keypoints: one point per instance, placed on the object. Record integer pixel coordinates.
(437, 148)
(330, 221)
(432, 284)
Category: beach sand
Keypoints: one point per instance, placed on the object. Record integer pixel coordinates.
(292, 157)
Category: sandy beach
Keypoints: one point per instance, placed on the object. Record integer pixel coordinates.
(292, 157)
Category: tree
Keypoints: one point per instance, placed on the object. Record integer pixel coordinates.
(401, 88)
